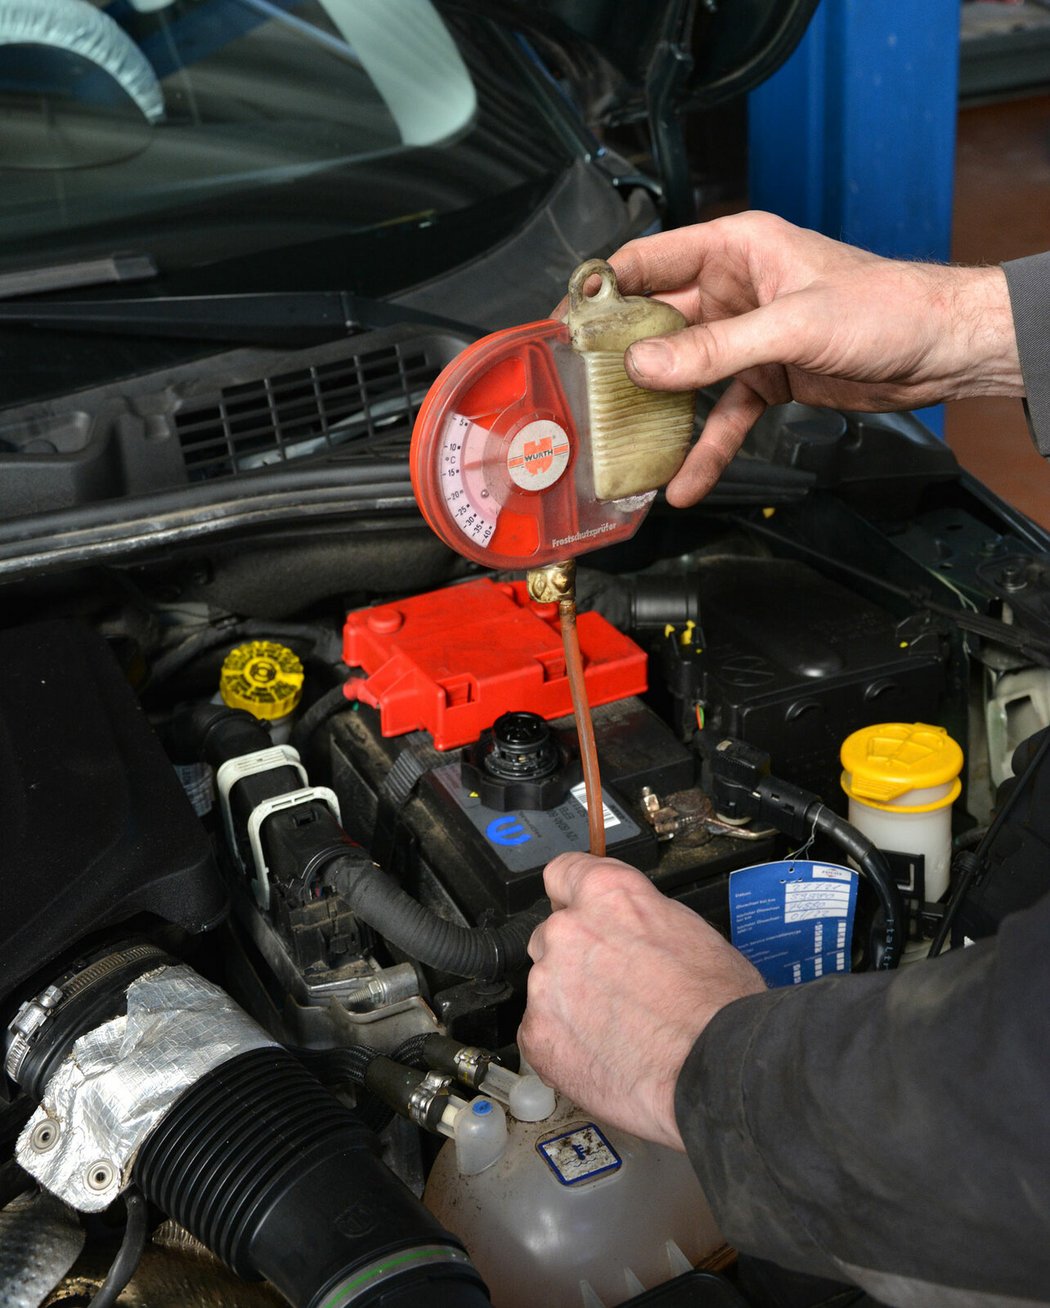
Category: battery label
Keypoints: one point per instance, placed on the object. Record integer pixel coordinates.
(528, 838)
(793, 919)
(579, 794)
(579, 1155)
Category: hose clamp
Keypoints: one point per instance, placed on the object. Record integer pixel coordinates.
(177, 1028)
(471, 1064)
(26, 1023)
(423, 1100)
(29, 1021)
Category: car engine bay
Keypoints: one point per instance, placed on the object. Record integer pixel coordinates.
(283, 773)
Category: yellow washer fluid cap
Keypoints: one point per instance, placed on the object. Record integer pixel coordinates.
(894, 759)
(262, 677)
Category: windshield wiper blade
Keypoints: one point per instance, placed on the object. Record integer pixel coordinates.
(82, 272)
(264, 318)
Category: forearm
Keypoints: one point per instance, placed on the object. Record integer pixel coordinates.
(892, 1130)
(979, 324)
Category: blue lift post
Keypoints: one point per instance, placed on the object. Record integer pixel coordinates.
(855, 135)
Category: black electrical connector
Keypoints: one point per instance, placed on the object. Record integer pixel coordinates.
(305, 847)
(742, 785)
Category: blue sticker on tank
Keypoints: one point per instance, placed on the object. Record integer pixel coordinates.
(793, 919)
(580, 1154)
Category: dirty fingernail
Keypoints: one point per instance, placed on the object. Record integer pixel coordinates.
(651, 358)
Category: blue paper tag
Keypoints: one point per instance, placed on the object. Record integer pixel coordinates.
(793, 919)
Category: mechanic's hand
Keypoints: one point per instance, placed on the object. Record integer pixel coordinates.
(623, 982)
(792, 315)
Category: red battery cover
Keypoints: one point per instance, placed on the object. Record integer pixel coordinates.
(451, 661)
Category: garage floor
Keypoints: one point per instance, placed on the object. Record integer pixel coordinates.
(1002, 211)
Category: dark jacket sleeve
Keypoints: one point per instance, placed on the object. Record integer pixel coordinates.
(1028, 281)
(889, 1129)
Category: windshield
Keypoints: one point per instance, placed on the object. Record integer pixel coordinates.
(200, 130)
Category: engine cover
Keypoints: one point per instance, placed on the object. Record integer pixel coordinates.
(96, 825)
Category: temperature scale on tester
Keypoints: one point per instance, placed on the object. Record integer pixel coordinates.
(534, 446)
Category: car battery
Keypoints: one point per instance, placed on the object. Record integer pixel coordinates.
(451, 661)
(434, 817)
(794, 663)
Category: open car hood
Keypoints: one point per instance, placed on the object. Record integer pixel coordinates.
(659, 62)
(722, 51)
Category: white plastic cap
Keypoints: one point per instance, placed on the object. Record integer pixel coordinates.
(480, 1134)
(531, 1100)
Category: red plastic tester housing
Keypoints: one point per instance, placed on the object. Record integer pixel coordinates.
(451, 661)
(501, 455)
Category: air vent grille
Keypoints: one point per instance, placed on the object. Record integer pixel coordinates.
(361, 405)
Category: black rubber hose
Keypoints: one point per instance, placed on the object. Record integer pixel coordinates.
(283, 1182)
(965, 867)
(14, 1182)
(743, 786)
(411, 1051)
(874, 868)
(343, 1066)
(349, 1065)
(487, 953)
(213, 733)
(326, 706)
(129, 1254)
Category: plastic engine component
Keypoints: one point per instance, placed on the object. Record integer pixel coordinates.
(452, 661)
(794, 663)
(283, 1182)
(263, 678)
(96, 825)
(520, 763)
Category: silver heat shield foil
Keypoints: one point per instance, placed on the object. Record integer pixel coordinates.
(122, 1078)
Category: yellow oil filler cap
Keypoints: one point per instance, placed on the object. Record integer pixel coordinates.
(262, 677)
(903, 767)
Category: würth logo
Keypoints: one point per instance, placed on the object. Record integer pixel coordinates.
(538, 455)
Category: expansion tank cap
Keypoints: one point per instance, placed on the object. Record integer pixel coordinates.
(262, 677)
